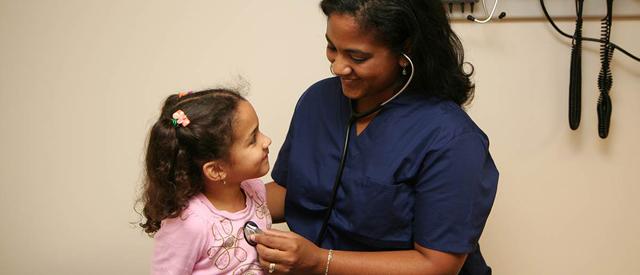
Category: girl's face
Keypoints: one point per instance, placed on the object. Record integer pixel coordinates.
(369, 71)
(249, 153)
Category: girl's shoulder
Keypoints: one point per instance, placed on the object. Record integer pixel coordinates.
(254, 187)
(190, 222)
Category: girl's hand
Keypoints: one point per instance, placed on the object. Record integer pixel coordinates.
(290, 252)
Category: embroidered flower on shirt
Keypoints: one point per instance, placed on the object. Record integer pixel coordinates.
(248, 269)
(261, 207)
(226, 245)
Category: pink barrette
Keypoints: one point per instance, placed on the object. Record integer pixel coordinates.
(181, 94)
(179, 117)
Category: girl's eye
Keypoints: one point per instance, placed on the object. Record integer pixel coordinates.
(253, 140)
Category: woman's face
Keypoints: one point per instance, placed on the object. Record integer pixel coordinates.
(369, 71)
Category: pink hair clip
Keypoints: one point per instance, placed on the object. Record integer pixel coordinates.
(181, 94)
(179, 117)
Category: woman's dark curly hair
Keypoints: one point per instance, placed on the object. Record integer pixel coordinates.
(176, 154)
(419, 28)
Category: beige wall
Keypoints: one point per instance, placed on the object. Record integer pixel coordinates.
(81, 81)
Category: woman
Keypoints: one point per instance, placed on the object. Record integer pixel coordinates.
(418, 181)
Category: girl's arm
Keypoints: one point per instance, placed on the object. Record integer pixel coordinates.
(294, 254)
(179, 244)
(275, 201)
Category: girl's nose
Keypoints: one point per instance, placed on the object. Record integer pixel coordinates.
(267, 142)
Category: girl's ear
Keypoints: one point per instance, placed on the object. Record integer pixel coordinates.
(214, 171)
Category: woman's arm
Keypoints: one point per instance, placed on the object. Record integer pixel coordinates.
(275, 201)
(296, 255)
(421, 260)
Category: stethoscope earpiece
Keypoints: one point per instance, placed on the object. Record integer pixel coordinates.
(489, 16)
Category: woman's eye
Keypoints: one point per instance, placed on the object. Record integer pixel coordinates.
(358, 59)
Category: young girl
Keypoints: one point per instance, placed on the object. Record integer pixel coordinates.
(203, 157)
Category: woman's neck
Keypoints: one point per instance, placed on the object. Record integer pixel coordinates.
(368, 103)
(227, 197)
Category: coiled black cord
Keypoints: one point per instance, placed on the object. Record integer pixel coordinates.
(605, 79)
(575, 82)
(611, 44)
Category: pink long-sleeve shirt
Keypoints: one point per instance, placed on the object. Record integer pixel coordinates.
(205, 240)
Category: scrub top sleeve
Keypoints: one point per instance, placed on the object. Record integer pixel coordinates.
(454, 194)
(280, 170)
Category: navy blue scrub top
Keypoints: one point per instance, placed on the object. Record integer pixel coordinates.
(419, 172)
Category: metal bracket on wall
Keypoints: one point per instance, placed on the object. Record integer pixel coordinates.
(529, 10)
(484, 14)
(461, 4)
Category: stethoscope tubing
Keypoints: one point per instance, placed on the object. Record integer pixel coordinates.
(354, 117)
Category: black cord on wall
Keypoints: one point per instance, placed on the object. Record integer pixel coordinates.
(611, 44)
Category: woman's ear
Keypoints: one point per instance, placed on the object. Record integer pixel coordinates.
(402, 61)
(406, 46)
(406, 49)
(214, 171)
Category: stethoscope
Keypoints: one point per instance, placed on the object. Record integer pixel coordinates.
(251, 227)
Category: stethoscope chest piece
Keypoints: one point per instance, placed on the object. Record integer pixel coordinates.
(251, 228)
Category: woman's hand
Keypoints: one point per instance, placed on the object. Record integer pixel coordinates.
(290, 252)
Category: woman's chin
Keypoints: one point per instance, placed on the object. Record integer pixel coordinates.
(351, 93)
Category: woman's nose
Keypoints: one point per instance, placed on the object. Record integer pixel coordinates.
(340, 68)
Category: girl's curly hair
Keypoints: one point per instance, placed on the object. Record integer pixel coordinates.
(176, 153)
